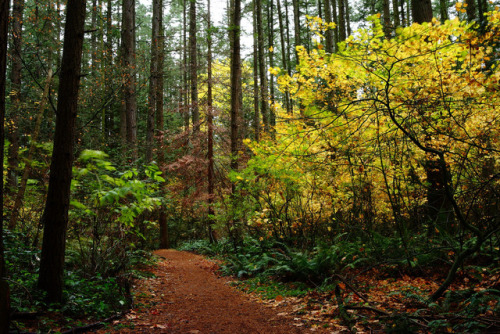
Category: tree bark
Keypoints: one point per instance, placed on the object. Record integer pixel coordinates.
(341, 22)
(16, 98)
(160, 122)
(329, 32)
(270, 20)
(210, 133)
(193, 66)
(153, 80)
(55, 215)
(4, 287)
(395, 7)
(296, 26)
(471, 10)
(421, 11)
(264, 96)
(235, 83)
(387, 19)
(256, 118)
(129, 111)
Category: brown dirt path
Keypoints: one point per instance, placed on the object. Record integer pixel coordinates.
(187, 297)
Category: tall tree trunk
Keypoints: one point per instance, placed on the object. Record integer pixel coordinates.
(421, 11)
(329, 32)
(256, 118)
(193, 66)
(210, 133)
(335, 19)
(341, 22)
(185, 67)
(160, 121)
(283, 55)
(387, 19)
(471, 10)
(13, 126)
(395, 7)
(93, 38)
(55, 215)
(296, 26)
(129, 116)
(264, 96)
(108, 117)
(153, 81)
(270, 21)
(347, 18)
(4, 287)
(235, 30)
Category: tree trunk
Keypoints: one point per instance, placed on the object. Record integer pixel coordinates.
(329, 32)
(341, 21)
(13, 126)
(421, 11)
(129, 111)
(160, 121)
(235, 83)
(347, 18)
(4, 287)
(471, 10)
(153, 81)
(270, 20)
(193, 66)
(387, 19)
(55, 215)
(264, 96)
(210, 133)
(284, 47)
(256, 118)
(296, 26)
(395, 7)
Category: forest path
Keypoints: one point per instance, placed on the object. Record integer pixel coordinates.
(187, 297)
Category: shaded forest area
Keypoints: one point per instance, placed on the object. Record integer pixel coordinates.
(349, 157)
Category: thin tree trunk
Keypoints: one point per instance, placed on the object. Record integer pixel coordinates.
(264, 106)
(13, 126)
(395, 7)
(347, 18)
(235, 83)
(387, 19)
(55, 215)
(270, 20)
(153, 81)
(283, 54)
(329, 32)
(160, 122)
(210, 133)
(27, 168)
(341, 23)
(193, 66)
(185, 67)
(471, 10)
(335, 19)
(129, 117)
(256, 118)
(107, 115)
(4, 287)
(296, 26)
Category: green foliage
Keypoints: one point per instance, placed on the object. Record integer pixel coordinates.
(84, 294)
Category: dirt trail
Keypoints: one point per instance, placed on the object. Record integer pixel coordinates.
(189, 298)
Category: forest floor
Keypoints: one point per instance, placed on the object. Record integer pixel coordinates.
(187, 296)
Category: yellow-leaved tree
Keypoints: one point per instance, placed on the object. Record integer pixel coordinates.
(394, 135)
